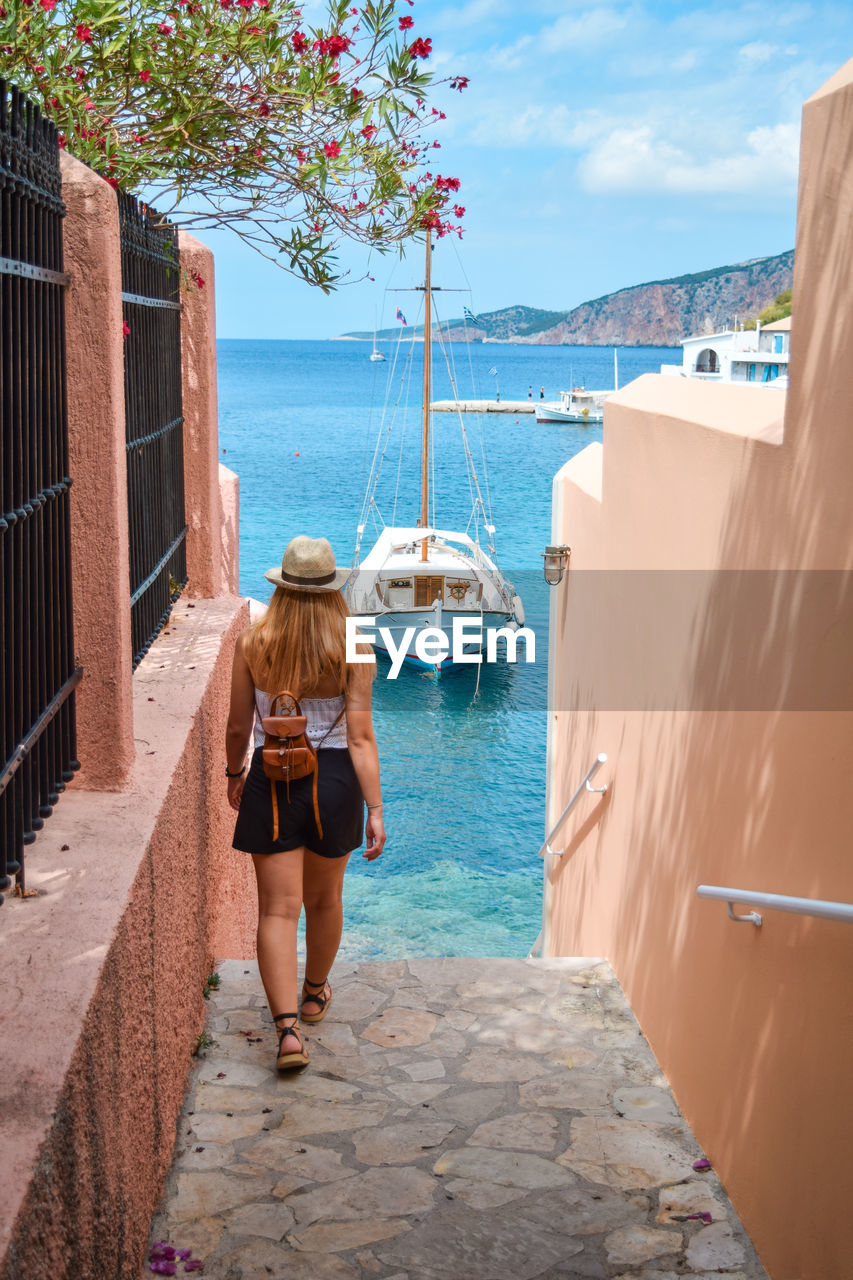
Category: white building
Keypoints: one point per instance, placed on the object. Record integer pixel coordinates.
(737, 355)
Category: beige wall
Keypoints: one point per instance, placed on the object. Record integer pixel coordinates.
(136, 886)
(724, 701)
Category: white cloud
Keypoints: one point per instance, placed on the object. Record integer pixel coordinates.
(509, 123)
(465, 16)
(752, 55)
(511, 56)
(635, 158)
(573, 32)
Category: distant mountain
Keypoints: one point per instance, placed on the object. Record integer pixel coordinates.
(659, 313)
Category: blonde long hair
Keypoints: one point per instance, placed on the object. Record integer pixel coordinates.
(300, 641)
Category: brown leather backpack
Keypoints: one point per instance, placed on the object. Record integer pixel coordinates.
(287, 752)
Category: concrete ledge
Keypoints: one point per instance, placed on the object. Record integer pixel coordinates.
(137, 891)
(744, 409)
(585, 470)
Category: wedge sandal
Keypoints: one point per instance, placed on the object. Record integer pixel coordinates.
(290, 1061)
(320, 998)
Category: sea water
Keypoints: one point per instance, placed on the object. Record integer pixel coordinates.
(463, 761)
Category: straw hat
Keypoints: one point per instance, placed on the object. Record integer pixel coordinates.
(308, 564)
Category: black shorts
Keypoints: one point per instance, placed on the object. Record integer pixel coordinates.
(340, 801)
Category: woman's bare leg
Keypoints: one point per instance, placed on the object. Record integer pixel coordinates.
(322, 889)
(279, 877)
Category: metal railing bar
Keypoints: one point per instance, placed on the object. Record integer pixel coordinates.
(139, 300)
(154, 435)
(32, 505)
(12, 267)
(819, 907)
(26, 744)
(599, 760)
(158, 568)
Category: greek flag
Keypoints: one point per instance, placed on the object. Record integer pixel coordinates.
(469, 315)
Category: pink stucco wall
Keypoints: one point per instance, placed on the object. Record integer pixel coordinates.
(729, 730)
(98, 466)
(201, 445)
(139, 891)
(137, 888)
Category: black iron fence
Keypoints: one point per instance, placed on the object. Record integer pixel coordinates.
(155, 451)
(37, 676)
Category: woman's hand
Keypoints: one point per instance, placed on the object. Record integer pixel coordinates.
(235, 790)
(375, 832)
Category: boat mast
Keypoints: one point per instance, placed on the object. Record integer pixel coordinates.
(427, 394)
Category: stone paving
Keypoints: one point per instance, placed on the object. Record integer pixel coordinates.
(460, 1120)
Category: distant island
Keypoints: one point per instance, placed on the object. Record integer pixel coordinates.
(657, 314)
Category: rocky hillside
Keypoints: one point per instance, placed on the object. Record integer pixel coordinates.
(660, 313)
(665, 311)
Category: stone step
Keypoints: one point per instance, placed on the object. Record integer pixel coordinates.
(460, 1120)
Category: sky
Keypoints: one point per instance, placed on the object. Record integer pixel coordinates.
(599, 145)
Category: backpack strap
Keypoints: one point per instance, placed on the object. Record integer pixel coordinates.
(331, 727)
(285, 693)
(315, 798)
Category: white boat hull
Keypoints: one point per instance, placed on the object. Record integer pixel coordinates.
(398, 624)
(556, 413)
(397, 589)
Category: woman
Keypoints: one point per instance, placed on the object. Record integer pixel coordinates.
(300, 645)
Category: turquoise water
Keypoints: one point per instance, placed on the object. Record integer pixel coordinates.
(463, 768)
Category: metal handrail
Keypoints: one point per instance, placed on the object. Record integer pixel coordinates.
(546, 849)
(775, 902)
(599, 760)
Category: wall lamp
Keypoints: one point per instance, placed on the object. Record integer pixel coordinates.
(556, 563)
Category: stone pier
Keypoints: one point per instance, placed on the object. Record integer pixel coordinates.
(460, 1120)
(484, 406)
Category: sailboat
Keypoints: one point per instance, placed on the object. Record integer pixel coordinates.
(421, 578)
(376, 354)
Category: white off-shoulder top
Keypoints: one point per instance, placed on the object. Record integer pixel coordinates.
(320, 714)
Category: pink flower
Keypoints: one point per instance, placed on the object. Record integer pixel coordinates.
(420, 48)
(145, 76)
(459, 82)
(301, 156)
(355, 94)
(459, 211)
(368, 131)
(406, 23)
(333, 46)
(299, 42)
(332, 149)
(47, 5)
(125, 329)
(164, 29)
(83, 33)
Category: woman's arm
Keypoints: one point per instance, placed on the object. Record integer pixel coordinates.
(361, 741)
(241, 717)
